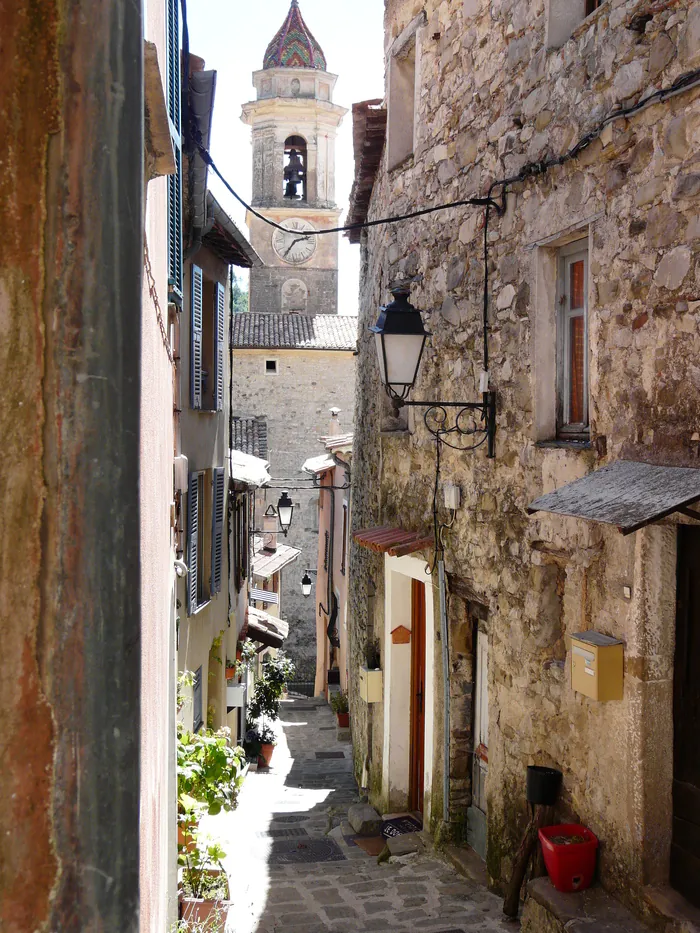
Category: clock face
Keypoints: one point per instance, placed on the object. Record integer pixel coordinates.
(291, 246)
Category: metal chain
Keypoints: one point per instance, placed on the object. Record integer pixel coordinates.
(153, 291)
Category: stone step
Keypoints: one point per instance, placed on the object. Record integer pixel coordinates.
(468, 863)
(589, 911)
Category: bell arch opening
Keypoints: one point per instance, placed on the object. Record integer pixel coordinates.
(295, 156)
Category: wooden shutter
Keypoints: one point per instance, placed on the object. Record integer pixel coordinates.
(175, 230)
(192, 542)
(219, 368)
(173, 91)
(217, 529)
(196, 340)
(172, 26)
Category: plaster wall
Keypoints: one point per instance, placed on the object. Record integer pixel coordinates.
(335, 477)
(295, 402)
(493, 96)
(158, 856)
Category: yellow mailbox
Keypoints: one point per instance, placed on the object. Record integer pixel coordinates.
(370, 685)
(596, 665)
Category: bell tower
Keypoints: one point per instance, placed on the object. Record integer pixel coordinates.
(294, 124)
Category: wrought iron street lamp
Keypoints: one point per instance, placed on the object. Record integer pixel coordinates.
(400, 339)
(285, 511)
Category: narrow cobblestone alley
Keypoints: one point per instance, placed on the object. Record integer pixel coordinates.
(288, 875)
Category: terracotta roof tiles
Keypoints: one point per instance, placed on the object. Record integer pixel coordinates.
(293, 332)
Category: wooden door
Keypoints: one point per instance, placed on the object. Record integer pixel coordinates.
(685, 843)
(417, 756)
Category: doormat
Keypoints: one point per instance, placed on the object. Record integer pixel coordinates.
(330, 754)
(283, 833)
(400, 825)
(372, 845)
(296, 852)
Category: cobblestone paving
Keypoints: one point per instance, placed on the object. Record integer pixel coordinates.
(288, 811)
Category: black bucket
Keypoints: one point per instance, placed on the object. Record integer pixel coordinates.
(543, 785)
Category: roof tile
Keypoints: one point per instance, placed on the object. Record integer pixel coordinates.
(293, 332)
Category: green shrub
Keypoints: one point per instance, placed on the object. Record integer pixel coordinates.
(209, 770)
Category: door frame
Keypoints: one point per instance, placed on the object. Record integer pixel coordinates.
(416, 777)
(399, 572)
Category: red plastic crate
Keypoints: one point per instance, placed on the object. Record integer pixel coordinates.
(570, 866)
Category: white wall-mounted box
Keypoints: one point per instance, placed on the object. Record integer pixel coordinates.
(371, 685)
(235, 694)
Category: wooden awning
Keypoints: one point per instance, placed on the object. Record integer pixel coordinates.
(627, 494)
(392, 540)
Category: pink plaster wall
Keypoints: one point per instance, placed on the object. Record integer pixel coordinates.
(157, 820)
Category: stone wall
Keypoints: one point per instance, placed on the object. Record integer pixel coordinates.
(267, 293)
(492, 97)
(296, 403)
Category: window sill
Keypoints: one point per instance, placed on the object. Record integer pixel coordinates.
(562, 444)
(199, 608)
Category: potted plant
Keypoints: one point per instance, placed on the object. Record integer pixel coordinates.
(231, 668)
(339, 703)
(259, 744)
(203, 891)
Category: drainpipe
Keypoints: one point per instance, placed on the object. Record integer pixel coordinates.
(446, 689)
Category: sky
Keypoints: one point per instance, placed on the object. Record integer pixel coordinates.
(232, 35)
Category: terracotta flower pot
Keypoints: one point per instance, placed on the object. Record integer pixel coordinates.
(185, 837)
(343, 720)
(230, 673)
(266, 750)
(210, 914)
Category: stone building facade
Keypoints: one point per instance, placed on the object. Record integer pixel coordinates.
(292, 371)
(292, 356)
(476, 92)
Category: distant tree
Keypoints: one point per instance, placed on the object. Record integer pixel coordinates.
(239, 297)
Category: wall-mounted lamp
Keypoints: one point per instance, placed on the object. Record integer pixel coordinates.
(306, 583)
(285, 511)
(400, 338)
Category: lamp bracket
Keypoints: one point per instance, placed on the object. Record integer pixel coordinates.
(458, 429)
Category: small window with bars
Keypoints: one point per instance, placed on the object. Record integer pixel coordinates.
(572, 342)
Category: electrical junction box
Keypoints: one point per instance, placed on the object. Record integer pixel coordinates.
(371, 685)
(596, 665)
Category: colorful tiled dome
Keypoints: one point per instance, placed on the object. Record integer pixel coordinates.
(294, 46)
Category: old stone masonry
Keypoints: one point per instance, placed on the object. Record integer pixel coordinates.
(293, 864)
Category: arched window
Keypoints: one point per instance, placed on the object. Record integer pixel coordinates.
(295, 168)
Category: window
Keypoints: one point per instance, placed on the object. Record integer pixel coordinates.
(572, 342)
(401, 102)
(344, 544)
(207, 338)
(197, 718)
(205, 527)
(173, 84)
(271, 366)
(563, 16)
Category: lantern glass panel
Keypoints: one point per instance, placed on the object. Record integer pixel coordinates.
(399, 356)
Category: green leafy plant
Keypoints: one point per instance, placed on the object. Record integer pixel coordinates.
(372, 654)
(201, 860)
(339, 702)
(185, 680)
(209, 770)
(269, 687)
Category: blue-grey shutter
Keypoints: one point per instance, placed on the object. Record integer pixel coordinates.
(173, 91)
(172, 64)
(217, 530)
(197, 711)
(220, 345)
(175, 230)
(192, 542)
(196, 339)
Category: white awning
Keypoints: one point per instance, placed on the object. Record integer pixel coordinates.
(319, 464)
(248, 469)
